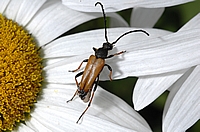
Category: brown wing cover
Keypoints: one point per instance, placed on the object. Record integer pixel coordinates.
(93, 68)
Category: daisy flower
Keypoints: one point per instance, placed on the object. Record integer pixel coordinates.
(159, 63)
(31, 58)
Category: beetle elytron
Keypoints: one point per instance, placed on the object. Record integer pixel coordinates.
(95, 64)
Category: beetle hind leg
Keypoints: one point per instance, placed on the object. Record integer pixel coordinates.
(110, 69)
(95, 87)
(77, 75)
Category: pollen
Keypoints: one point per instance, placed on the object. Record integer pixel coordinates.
(20, 73)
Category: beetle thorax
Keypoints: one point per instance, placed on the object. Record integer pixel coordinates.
(101, 53)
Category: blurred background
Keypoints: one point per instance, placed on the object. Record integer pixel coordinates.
(172, 19)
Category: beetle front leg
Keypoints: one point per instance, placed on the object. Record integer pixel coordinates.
(94, 89)
(109, 68)
(110, 56)
(86, 60)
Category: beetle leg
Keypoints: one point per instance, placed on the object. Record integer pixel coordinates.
(96, 83)
(109, 68)
(73, 96)
(77, 75)
(110, 56)
(86, 60)
(95, 87)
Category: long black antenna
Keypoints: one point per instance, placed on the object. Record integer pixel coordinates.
(104, 16)
(128, 33)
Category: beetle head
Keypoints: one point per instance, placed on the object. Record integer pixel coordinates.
(108, 46)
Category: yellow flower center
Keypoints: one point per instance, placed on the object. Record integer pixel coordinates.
(20, 73)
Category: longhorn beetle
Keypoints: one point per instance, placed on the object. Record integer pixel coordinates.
(95, 64)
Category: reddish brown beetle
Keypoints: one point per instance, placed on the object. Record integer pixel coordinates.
(95, 64)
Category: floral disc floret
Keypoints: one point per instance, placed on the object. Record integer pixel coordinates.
(20, 73)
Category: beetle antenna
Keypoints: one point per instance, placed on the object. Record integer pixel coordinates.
(129, 33)
(104, 16)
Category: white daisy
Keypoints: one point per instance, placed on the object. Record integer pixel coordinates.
(21, 71)
(161, 62)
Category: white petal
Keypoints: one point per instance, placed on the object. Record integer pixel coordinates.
(27, 10)
(51, 61)
(3, 5)
(174, 53)
(148, 88)
(184, 108)
(13, 8)
(174, 88)
(165, 54)
(117, 21)
(145, 17)
(23, 128)
(107, 112)
(110, 6)
(54, 19)
(192, 24)
(82, 43)
(58, 72)
(37, 124)
(57, 119)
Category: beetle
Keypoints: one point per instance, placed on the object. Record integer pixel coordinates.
(95, 64)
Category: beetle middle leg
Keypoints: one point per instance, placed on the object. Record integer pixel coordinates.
(109, 68)
(73, 96)
(77, 75)
(94, 89)
(86, 60)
